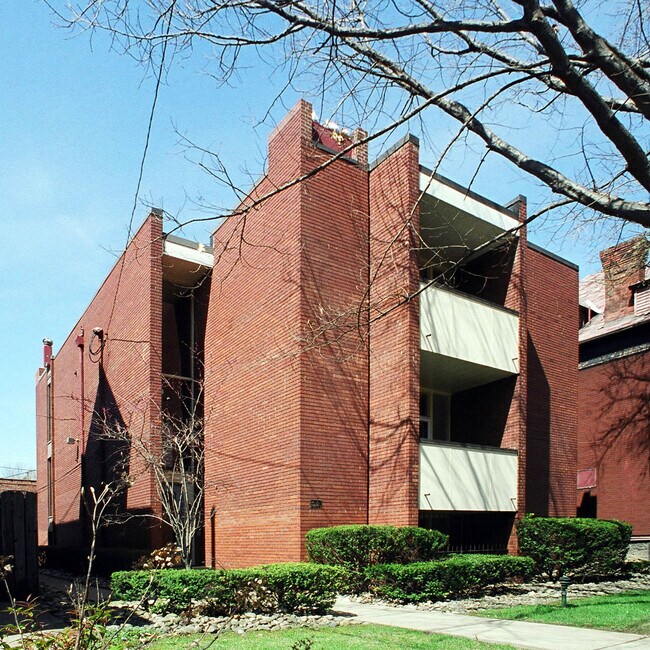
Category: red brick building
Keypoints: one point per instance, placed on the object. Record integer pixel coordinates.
(17, 485)
(115, 369)
(379, 345)
(614, 391)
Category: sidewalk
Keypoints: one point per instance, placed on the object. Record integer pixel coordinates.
(521, 634)
(48, 620)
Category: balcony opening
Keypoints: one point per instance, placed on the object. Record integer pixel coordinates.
(183, 329)
(486, 276)
(476, 416)
(466, 242)
(471, 532)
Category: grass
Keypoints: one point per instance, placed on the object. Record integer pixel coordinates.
(339, 638)
(625, 612)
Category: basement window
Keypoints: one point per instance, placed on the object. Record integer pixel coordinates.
(434, 415)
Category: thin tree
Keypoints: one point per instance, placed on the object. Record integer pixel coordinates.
(175, 461)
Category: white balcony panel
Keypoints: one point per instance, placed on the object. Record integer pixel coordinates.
(456, 477)
(464, 201)
(464, 328)
(188, 251)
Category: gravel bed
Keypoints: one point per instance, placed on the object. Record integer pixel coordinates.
(509, 595)
(161, 624)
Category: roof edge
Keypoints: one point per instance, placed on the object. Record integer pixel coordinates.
(470, 193)
(553, 256)
(409, 137)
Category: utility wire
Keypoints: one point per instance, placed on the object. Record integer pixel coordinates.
(152, 112)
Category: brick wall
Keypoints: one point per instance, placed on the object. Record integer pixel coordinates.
(334, 362)
(286, 382)
(394, 339)
(16, 484)
(514, 435)
(613, 416)
(551, 394)
(121, 385)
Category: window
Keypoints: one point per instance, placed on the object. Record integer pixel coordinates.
(642, 301)
(434, 415)
(50, 490)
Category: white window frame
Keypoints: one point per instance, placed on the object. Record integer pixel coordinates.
(430, 419)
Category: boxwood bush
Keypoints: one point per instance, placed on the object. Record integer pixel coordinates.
(458, 575)
(574, 546)
(294, 587)
(356, 547)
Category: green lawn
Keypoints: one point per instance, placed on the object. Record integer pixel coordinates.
(352, 636)
(625, 612)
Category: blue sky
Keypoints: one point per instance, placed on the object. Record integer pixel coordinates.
(73, 120)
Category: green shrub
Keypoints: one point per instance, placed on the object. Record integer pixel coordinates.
(134, 585)
(577, 547)
(298, 588)
(293, 587)
(357, 547)
(458, 575)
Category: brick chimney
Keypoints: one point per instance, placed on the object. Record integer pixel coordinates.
(624, 265)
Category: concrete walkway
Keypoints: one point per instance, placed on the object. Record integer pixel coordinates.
(521, 634)
(47, 621)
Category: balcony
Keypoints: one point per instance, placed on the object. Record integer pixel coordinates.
(455, 221)
(465, 341)
(467, 478)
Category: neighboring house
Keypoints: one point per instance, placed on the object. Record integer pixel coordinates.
(614, 391)
(340, 385)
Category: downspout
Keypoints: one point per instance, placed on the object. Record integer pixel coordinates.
(82, 437)
(213, 560)
(192, 347)
(368, 314)
(193, 403)
(52, 439)
(82, 395)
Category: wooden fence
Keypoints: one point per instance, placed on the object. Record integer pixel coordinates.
(18, 539)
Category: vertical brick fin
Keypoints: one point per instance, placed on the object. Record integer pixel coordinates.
(286, 386)
(552, 377)
(155, 359)
(395, 344)
(361, 152)
(514, 436)
(121, 385)
(287, 145)
(334, 343)
(624, 265)
(253, 379)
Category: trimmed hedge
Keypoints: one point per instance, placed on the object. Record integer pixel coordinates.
(357, 547)
(294, 587)
(574, 546)
(458, 575)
